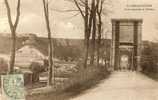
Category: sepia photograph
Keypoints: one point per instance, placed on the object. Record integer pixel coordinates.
(78, 50)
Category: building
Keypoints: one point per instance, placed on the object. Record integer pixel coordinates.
(29, 60)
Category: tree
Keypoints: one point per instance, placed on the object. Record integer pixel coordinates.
(87, 26)
(90, 21)
(50, 45)
(91, 13)
(89, 16)
(99, 14)
(13, 28)
(93, 8)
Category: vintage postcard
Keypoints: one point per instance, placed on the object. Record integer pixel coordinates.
(78, 50)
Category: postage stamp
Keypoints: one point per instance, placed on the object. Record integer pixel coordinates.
(13, 87)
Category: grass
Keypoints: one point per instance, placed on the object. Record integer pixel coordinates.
(92, 76)
(76, 85)
(152, 75)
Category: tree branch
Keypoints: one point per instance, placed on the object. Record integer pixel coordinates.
(69, 10)
(9, 14)
(18, 14)
(76, 3)
(45, 9)
(74, 15)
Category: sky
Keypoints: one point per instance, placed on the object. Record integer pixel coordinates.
(68, 25)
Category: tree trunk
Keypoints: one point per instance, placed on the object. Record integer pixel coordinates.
(86, 41)
(93, 47)
(13, 28)
(51, 73)
(50, 46)
(93, 34)
(86, 53)
(99, 14)
(99, 39)
(13, 50)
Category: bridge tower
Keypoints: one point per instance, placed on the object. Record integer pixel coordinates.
(126, 44)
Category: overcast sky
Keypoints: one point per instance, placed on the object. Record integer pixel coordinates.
(64, 25)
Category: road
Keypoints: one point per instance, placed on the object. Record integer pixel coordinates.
(123, 86)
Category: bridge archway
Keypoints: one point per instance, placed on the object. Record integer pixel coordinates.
(126, 41)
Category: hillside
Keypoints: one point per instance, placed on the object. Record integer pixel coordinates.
(40, 43)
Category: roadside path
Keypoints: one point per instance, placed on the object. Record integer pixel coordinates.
(123, 86)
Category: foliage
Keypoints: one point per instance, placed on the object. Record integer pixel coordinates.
(84, 76)
(36, 67)
(149, 60)
(68, 52)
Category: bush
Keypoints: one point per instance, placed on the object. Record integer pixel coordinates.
(149, 59)
(66, 70)
(36, 67)
(85, 78)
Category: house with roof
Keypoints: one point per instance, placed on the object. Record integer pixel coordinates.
(30, 59)
(28, 54)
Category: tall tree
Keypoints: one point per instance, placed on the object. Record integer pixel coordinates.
(13, 28)
(93, 31)
(85, 16)
(91, 13)
(50, 45)
(99, 14)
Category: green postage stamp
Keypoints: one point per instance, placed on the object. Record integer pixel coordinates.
(13, 87)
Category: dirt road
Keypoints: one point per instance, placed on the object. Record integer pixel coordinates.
(123, 86)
